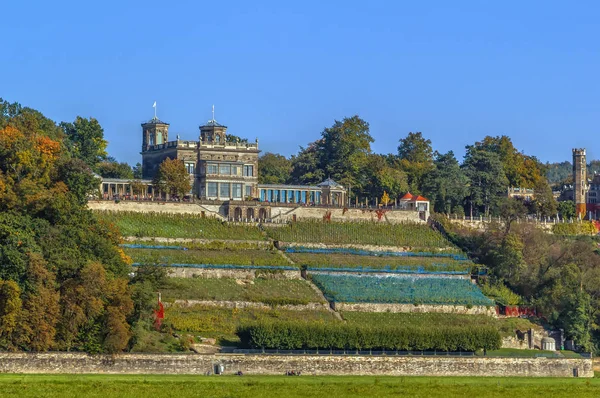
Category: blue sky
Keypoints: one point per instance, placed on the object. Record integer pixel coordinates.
(282, 71)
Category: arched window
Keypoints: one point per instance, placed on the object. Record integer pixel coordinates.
(217, 139)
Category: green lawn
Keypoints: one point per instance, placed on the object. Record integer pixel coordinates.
(271, 291)
(142, 386)
(221, 323)
(233, 257)
(349, 260)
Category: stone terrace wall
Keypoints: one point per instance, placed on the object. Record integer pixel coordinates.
(278, 364)
(158, 207)
(337, 214)
(182, 272)
(411, 308)
(252, 304)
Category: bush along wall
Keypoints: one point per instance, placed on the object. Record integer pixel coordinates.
(312, 335)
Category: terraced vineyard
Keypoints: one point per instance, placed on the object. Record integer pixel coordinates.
(168, 225)
(506, 326)
(368, 233)
(221, 323)
(399, 289)
(333, 261)
(265, 290)
(234, 257)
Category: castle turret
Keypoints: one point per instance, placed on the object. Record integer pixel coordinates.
(579, 181)
(154, 132)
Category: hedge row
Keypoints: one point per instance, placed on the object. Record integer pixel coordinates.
(340, 336)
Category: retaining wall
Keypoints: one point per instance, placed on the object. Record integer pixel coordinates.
(278, 364)
(184, 272)
(158, 207)
(252, 304)
(411, 308)
(338, 214)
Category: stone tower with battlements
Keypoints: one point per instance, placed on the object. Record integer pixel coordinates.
(579, 181)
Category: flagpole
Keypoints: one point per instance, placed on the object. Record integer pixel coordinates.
(154, 109)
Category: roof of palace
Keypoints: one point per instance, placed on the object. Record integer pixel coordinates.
(155, 120)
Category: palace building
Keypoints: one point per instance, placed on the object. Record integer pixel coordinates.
(221, 167)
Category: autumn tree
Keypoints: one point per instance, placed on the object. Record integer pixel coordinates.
(172, 178)
(48, 242)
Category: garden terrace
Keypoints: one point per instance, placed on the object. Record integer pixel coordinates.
(176, 256)
(402, 289)
(265, 290)
(221, 323)
(351, 336)
(332, 261)
(178, 226)
(506, 326)
(367, 233)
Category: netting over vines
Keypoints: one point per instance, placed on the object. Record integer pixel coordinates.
(403, 289)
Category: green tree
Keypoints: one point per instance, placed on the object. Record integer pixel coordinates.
(566, 209)
(384, 174)
(79, 179)
(416, 159)
(85, 139)
(544, 203)
(274, 169)
(446, 186)
(343, 151)
(137, 171)
(172, 177)
(511, 210)
(306, 166)
(110, 168)
(487, 181)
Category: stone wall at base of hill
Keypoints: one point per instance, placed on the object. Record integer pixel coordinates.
(278, 364)
(339, 214)
(421, 308)
(249, 274)
(158, 207)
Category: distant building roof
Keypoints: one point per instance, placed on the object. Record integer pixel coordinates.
(407, 196)
(419, 198)
(212, 123)
(155, 120)
(329, 183)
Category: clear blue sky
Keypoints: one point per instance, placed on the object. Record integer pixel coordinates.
(282, 71)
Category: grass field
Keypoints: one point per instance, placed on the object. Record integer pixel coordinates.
(142, 386)
(270, 291)
(369, 233)
(221, 323)
(349, 260)
(235, 257)
(177, 226)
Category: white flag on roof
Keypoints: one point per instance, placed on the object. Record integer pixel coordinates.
(154, 106)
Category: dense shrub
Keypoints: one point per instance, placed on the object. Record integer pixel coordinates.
(576, 228)
(312, 335)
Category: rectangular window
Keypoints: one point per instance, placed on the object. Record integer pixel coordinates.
(225, 169)
(236, 191)
(190, 167)
(212, 169)
(212, 189)
(235, 170)
(248, 190)
(248, 171)
(224, 190)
